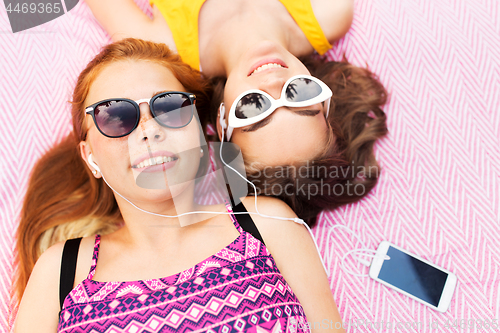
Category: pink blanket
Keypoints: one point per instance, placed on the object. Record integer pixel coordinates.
(439, 191)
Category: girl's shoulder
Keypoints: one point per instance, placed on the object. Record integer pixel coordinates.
(39, 307)
(49, 263)
(334, 16)
(84, 261)
(276, 233)
(40, 302)
(296, 257)
(123, 18)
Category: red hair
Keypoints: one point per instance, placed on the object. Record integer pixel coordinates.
(64, 200)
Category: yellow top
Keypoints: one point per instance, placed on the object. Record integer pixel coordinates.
(302, 13)
(182, 19)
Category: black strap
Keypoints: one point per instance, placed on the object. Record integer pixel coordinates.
(246, 221)
(68, 267)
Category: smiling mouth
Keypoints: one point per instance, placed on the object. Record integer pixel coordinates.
(158, 160)
(266, 66)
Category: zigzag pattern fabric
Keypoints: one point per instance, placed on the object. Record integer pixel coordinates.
(237, 289)
(439, 190)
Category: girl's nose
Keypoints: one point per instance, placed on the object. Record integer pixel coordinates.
(148, 128)
(273, 86)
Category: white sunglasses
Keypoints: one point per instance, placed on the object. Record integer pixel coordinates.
(254, 105)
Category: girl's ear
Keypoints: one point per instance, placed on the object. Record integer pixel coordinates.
(85, 152)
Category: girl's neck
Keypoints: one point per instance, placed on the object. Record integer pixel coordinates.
(145, 228)
(225, 38)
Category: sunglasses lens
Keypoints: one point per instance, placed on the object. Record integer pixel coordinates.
(115, 118)
(252, 105)
(173, 110)
(302, 89)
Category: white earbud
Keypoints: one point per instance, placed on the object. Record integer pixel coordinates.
(91, 162)
(222, 113)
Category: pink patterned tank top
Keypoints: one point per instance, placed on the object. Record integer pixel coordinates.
(238, 289)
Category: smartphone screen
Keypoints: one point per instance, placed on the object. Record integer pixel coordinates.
(413, 276)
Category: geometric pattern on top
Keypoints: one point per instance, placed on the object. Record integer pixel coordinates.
(237, 289)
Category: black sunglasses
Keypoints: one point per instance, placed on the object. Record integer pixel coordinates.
(118, 117)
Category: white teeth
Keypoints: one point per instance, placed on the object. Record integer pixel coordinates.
(266, 66)
(154, 161)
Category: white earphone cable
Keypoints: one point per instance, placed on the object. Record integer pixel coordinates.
(364, 251)
(296, 219)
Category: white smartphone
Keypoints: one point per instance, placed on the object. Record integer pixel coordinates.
(413, 276)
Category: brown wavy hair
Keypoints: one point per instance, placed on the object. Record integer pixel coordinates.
(64, 200)
(346, 170)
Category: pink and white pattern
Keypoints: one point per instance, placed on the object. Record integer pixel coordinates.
(439, 192)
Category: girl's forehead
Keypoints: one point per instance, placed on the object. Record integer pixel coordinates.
(136, 79)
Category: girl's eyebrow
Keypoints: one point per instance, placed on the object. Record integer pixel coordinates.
(309, 113)
(265, 121)
(258, 125)
(159, 92)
